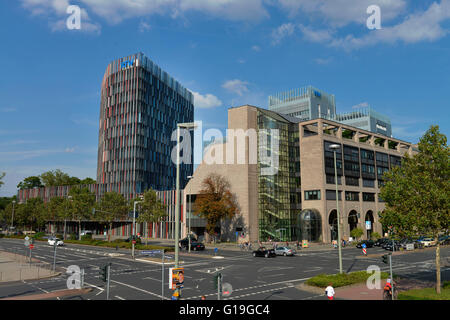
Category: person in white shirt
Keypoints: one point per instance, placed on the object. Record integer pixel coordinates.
(329, 291)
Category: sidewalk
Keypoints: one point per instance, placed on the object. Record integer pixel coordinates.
(14, 267)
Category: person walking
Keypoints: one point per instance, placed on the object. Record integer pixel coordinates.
(329, 291)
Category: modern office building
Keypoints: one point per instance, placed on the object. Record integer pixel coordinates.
(311, 103)
(368, 119)
(139, 110)
(304, 103)
(298, 201)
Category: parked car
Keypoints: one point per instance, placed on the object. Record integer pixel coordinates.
(86, 232)
(392, 246)
(428, 242)
(264, 252)
(285, 251)
(369, 243)
(404, 242)
(185, 241)
(53, 241)
(196, 246)
(443, 239)
(380, 242)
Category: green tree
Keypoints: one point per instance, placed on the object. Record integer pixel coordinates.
(216, 202)
(30, 183)
(151, 209)
(31, 214)
(417, 193)
(112, 207)
(2, 175)
(88, 181)
(58, 178)
(356, 233)
(81, 205)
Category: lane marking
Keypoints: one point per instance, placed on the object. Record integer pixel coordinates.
(120, 298)
(139, 289)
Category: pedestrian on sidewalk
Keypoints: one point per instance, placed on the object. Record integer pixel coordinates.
(329, 291)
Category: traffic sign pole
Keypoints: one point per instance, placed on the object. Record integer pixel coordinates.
(54, 257)
(108, 270)
(162, 277)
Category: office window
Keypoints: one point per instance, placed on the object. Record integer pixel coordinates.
(368, 183)
(351, 196)
(312, 195)
(350, 181)
(331, 179)
(369, 197)
(331, 195)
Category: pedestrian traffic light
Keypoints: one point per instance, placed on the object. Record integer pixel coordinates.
(217, 276)
(104, 273)
(385, 258)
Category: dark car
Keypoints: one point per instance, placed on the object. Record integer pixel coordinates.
(264, 252)
(392, 245)
(380, 242)
(195, 244)
(369, 243)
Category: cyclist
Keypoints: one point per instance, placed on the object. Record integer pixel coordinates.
(387, 291)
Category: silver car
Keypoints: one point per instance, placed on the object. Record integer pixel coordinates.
(284, 251)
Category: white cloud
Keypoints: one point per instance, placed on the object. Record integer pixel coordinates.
(144, 26)
(241, 61)
(206, 101)
(69, 150)
(339, 13)
(256, 48)
(115, 11)
(282, 32)
(236, 86)
(8, 110)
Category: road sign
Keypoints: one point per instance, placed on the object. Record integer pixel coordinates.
(369, 225)
(176, 278)
(364, 246)
(26, 243)
(31, 246)
(150, 252)
(364, 251)
(134, 241)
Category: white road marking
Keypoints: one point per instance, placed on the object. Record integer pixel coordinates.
(139, 289)
(120, 298)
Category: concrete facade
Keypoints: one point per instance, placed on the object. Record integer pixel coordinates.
(313, 135)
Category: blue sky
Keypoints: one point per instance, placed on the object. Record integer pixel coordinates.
(229, 52)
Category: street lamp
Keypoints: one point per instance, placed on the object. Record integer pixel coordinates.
(12, 219)
(134, 227)
(336, 147)
(190, 206)
(189, 126)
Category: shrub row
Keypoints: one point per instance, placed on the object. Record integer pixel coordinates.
(340, 280)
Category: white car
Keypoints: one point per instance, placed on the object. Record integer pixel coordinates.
(58, 242)
(428, 242)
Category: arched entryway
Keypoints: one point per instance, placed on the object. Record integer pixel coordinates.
(310, 225)
(332, 221)
(353, 220)
(369, 217)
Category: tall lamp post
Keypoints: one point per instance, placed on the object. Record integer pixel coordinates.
(336, 147)
(189, 126)
(190, 206)
(133, 237)
(12, 218)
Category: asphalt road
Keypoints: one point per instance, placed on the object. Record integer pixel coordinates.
(251, 278)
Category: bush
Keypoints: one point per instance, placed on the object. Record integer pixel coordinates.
(38, 236)
(1, 235)
(86, 237)
(356, 233)
(340, 280)
(375, 236)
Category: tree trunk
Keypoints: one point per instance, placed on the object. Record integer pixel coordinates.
(110, 231)
(79, 229)
(438, 268)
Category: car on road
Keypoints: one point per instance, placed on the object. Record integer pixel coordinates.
(196, 246)
(369, 243)
(264, 252)
(380, 242)
(428, 242)
(285, 251)
(53, 241)
(395, 245)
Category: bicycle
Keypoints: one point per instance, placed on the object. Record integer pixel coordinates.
(387, 294)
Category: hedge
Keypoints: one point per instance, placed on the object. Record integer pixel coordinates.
(341, 279)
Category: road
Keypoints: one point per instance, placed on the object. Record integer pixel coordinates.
(250, 277)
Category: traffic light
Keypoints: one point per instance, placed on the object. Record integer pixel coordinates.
(104, 273)
(217, 276)
(385, 259)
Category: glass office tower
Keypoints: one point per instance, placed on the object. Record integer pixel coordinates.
(140, 108)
